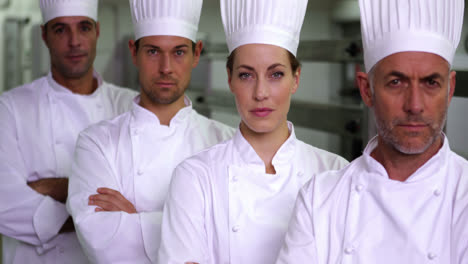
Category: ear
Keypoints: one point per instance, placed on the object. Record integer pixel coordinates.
(364, 86)
(98, 29)
(229, 74)
(133, 51)
(297, 80)
(197, 53)
(453, 82)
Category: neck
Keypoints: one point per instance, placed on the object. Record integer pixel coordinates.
(400, 166)
(164, 112)
(84, 85)
(266, 144)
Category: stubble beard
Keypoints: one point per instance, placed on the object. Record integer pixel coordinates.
(386, 132)
(156, 97)
(74, 71)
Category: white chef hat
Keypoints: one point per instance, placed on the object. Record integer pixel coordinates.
(275, 22)
(58, 8)
(392, 26)
(166, 17)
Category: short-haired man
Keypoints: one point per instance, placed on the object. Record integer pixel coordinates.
(123, 167)
(40, 124)
(406, 199)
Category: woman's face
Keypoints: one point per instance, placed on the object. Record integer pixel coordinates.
(262, 82)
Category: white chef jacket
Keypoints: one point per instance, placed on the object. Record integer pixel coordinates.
(135, 155)
(40, 122)
(359, 215)
(223, 208)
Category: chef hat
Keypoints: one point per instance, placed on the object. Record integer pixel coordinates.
(58, 8)
(392, 26)
(166, 17)
(275, 22)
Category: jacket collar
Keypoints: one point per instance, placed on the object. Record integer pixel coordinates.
(57, 88)
(283, 156)
(435, 164)
(142, 116)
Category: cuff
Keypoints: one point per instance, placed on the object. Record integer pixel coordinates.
(151, 231)
(48, 219)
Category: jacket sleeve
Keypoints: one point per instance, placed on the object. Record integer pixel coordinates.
(460, 224)
(299, 245)
(106, 237)
(25, 214)
(183, 226)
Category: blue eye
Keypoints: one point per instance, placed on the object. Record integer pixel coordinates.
(152, 52)
(244, 75)
(277, 75)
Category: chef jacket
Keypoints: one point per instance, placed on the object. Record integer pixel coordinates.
(40, 124)
(359, 215)
(135, 155)
(223, 208)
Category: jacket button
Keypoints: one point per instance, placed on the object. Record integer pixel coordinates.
(431, 256)
(235, 229)
(359, 188)
(437, 192)
(140, 172)
(300, 174)
(349, 250)
(235, 178)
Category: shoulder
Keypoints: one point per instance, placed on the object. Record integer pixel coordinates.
(118, 91)
(27, 92)
(122, 97)
(220, 130)
(105, 132)
(204, 162)
(321, 158)
(323, 184)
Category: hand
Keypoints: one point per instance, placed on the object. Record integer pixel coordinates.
(57, 188)
(68, 226)
(109, 200)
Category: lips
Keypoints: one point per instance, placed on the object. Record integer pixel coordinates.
(165, 84)
(414, 127)
(261, 112)
(75, 57)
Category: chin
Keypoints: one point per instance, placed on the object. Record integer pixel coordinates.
(261, 127)
(414, 146)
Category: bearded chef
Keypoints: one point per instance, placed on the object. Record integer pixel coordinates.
(405, 200)
(123, 166)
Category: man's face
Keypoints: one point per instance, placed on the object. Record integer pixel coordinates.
(72, 45)
(165, 66)
(410, 98)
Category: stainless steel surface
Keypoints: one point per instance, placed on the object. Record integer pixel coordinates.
(346, 50)
(14, 51)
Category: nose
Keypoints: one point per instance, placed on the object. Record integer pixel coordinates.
(262, 90)
(165, 64)
(414, 101)
(74, 38)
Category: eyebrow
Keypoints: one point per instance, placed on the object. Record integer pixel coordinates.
(403, 76)
(269, 68)
(434, 76)
(60, 24)
(159, 48)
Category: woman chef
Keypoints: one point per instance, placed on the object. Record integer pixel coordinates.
(232, 203)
